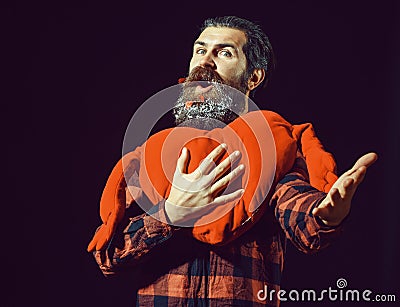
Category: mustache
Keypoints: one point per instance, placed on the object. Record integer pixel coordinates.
(200, 73)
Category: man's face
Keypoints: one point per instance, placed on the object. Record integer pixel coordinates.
(221, 49)
(218, 60)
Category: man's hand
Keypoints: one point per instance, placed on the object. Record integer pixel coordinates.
(336, 205)
(194, 194)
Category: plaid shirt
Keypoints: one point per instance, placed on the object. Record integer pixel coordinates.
(172, 269)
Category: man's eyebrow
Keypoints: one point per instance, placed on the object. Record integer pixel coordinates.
(217, 45)
(199, 43)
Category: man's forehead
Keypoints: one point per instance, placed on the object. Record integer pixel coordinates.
(222, 35)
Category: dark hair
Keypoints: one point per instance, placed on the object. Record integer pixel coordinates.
(258, 49)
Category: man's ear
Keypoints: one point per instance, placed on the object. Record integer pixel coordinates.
(256, 78)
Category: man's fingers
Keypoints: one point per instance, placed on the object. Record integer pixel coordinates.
(347, 183)
(208, 163)
(335, 196)
(335, 207)
(346, 187)
(225, 165)
(359, 175)
(350, 184)
(366, 160)
(223, 199)
(223, 182)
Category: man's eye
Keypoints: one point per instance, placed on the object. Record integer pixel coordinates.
(200, 51)
(225, 53)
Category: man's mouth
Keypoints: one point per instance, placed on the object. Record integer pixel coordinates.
(198, 94)
(201, 89)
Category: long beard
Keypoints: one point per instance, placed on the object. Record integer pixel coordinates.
(214, 108)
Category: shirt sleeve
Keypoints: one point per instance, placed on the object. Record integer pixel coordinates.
(293, 201)
(130, 246)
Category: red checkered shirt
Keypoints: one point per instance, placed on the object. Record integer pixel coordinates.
(169, 268)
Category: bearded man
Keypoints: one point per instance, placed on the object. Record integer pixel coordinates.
(168, 266)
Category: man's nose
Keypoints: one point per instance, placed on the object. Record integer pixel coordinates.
(207, 61)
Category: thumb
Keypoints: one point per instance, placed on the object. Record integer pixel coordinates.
(322, 212)
(182, 161)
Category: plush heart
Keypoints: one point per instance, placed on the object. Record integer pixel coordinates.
(268, 144)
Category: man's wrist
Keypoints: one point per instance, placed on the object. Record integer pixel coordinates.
(168, 215)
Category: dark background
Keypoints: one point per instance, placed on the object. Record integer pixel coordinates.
(74, 76)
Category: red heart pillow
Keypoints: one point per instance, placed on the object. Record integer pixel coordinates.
(268, 152)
